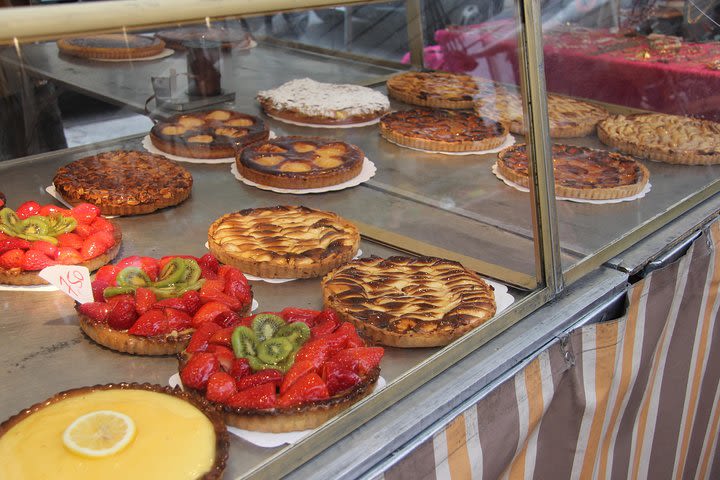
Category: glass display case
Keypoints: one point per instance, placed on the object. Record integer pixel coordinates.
(550, 256)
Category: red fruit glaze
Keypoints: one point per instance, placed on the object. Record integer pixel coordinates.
(144, 299)
(220, 387)
(176, 319)
(48, 210)
(214, 296)
(208, 312)
(11, 243)
(338, 378)
(201, 338)
(191, 300)
(12, 259)
(98, 311)
(298, 370)
(68, 256)
(70, 240)
(85, 213)
(224, 355)
(175, 303)
(360, 360)
(102, 223)
(28, 209)
(153, 322)
(258, 397)
(240, 368)
(293, 314)
(258, 378)
(122, 315)
(107, 274)
(307, 388)
(199, 369)
(34, 260)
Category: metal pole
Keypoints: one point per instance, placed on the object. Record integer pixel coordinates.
(416, 42)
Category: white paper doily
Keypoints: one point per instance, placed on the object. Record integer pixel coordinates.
(53, 193)
(148, 145)
(503, 299)
(265, 439)
(165, 53)
(509, 140)
(514, 185)
(317, 125)
(367, 172)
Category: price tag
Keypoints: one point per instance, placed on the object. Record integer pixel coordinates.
(72, 280)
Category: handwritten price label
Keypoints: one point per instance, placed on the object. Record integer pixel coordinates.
(71, 280)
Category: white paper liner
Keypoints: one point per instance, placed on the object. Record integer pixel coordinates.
(514, 185)
(503, 299)
(318, 125)
(148, 145)
(53, 193)
(28, 288)
(509, 141)
(367, 172)
(265, 439)
(165, 53)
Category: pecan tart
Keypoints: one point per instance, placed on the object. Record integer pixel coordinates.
(580, 172)
(663, 137)
(37, 236)
(283, 241)
(115, 431)
(111, 46)
(300, 162)
(124, 182)
(307, 101)
(409, 302)
(209, 134)
(442, 130)
(229, 38)
(568, 117)
(280, 372)
(146, 306)
(433, 89)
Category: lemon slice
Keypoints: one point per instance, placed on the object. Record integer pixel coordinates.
(99, 434)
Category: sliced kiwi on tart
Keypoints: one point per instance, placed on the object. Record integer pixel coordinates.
(178, 276)
(269, 342)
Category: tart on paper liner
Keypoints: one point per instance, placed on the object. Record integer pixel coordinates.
(156, 422)
(37, 236)
(146, 306)
(111, 46)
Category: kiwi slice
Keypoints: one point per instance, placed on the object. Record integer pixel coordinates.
(133, 277)
(172, 272)
(182, 288)
(265, 325)
(257, 364)
(122, 290)
(9, 217)
(288, 362)
(192, 271)
(60, 224)
(296, 332)
(7, 230)
(243, 342)
(274, 350)
(165, 292)
(33, 226)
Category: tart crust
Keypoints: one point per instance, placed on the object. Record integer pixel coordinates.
(283, 241)
(124, 182)
(112, 46)
(300, 162)
(222, 442)
(208, 134)
(662, 137)
(443, 130)
(433, 89)
(580, 172)
(18, 277)
(409, 302)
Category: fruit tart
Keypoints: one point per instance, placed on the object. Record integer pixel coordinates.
(115, 431)
(147, 306)
(37, 236)
(280, 372)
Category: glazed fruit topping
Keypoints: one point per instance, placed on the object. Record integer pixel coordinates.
(278, 360)
(61, 236)
(149, 297)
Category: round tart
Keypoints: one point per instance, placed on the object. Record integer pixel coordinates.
(229, 38)
(146, 306)
(209, 134)
(168, 424)
(409, 302)
(442, 130)
(433, 89)
(281, 372)
(36, 236)
(662, 137)
(568, 117)
(307, 101)
(283, 241)
(112, 46)
(124, 182)
(300, 162)
(580, 172)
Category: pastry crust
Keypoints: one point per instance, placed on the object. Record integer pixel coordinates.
(307, 101)
(222, 443)
(208, 134)
(300, 162)
(409, 302)
(568, 117)
(124, 182)
(662, 137)
(580, 172)
(18, 277)
(442, 130)
(283, 241)
(111, 46)
(433, 89)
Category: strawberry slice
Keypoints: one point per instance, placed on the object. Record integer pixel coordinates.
(49, 210)
(240, 368)
(68, 256)
(347, 330)
(102, 223)
(148, 264)
(338, 378)
(85, 213)
(83, 231)
(207, 296)
(12, 259)
(298, 370)
(98, 311)
(307, 388)
(258, 397)
(122, 315)
(107, 274)
(208, 312)
(34, 260)
(144, 299)
(268, 375)
(44, 247)
(175, 303)
(98, 290)
(191, 300)
(28, 209)
(93, 246)
(209, 266)
(126, 297)
(224, 355)
(10, 243)
(70, 240)
(213, 285)
(177, 319)
(228, 319)
(201, 338)
(198, 370)
(220, 387)
(153, 322)
(293, 314)
(360, 360)
(222, 336)
(320, 350)
(325, 323)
